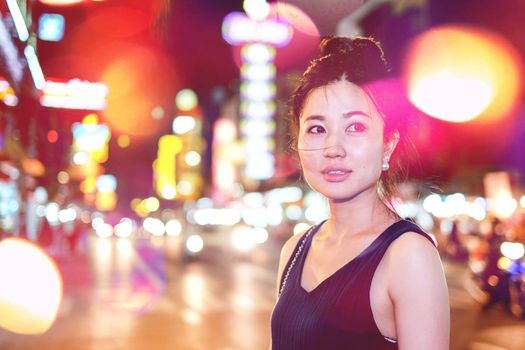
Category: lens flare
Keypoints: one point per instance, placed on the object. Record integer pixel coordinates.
(31, 289)
(296, 17)
(131, 100)
(458, 73)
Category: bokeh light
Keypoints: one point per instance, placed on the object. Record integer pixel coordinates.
(183, 124)
(90, 119)
(300, 227)
(132, 100)
(185, 188)
(499, 194)
(173, 227)
(52, 136)
(154, 226)
(103, 230)
(80, 158)
(256, 9)
(458, 73)
(152, 204)
(195, 243)
(41, 195)
(157, 113)
(503, 207)
(52, 210)
(124, 228)
(512, 250)
(504, 263)
(123, 141)
(242, 239)
(168, 191)
(260, 235)
(186, 100)
(192, 158)
(106, 183)
(89, 185)
(63, 177)
(31, 290)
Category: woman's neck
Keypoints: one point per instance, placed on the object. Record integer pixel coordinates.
(361, 214)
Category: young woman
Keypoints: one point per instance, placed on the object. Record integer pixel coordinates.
(364, 278)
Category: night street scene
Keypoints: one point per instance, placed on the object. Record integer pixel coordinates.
(150, 177)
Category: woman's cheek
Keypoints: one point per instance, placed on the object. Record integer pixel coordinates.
(309, 166)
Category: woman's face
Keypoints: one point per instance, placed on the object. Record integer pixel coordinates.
(341, 144)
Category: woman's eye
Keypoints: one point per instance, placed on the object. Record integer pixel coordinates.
(316, 129)
(356, 127)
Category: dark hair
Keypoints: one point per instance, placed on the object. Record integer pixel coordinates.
(359, 60)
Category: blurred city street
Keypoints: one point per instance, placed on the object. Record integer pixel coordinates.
(127, 295)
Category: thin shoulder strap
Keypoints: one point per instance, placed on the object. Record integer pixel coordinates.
(397, 230)
(295, 255)
(411, 226)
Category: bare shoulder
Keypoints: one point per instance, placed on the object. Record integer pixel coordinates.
(413, 245)
(415, 254)
(418, 288)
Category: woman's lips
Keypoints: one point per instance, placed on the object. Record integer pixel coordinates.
(336, 174)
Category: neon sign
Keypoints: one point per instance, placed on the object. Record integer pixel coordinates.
(259, 37)
(13, 62)
(74, 94)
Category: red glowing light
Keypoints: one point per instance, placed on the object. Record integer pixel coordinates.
(52, 136)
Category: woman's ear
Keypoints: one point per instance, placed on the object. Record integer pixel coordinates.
(390, 144)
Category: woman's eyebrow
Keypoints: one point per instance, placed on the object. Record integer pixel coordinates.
(314, 117)
(353, 113)
(345, 115)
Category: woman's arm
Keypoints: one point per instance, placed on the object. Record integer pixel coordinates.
(419, 292)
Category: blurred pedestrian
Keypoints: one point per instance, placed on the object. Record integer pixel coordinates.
(454, 247)
(364, 278)
(74, 236)
(45, 236)
(495, 280)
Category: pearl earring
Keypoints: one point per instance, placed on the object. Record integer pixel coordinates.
(385, 166)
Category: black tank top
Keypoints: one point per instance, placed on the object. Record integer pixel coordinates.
(337, 313)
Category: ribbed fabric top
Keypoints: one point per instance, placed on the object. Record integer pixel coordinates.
(337, 313)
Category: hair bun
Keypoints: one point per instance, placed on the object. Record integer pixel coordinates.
(331, 45)
(335, 45)
(363, 47)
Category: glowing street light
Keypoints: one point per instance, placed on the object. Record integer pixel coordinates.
(31, 290)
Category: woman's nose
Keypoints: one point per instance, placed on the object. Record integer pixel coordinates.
(334, 148)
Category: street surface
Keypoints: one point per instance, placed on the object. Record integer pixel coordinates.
(122, 294)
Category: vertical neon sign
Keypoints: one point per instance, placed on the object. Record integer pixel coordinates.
(259, 35)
